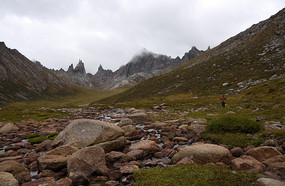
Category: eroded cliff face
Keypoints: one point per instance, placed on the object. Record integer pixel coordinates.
(21, 78)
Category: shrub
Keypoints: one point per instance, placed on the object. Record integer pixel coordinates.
(234, 124)
(37, 139)
(231, 139)
(52, 136)
(31, 135)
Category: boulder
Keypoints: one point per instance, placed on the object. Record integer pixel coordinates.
(125, 122)
(64, 150)
(247, 163)
(116, 156)
(237, 151)
(276, 165)
(147, 146)
(269, 182)
(115, 144)
(129, 129)
(46, 181)
(52, 162)
(197, 128)
(128, 169)
(8, 179)
(85, 132)
(9, 127)
(139, 118)
(86, 160)
(263, 153)
(19, 172)
(204, 153)
(64, 182)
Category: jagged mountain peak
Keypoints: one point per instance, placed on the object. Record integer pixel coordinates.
(80, 68)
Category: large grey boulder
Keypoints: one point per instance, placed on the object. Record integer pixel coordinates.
(204, 153)
(269, 182)
(85, 132)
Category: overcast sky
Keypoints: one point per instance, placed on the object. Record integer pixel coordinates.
(109, 32)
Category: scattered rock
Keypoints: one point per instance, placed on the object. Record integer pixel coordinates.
(269, 182)
(8, 179)
(263, 153)
(52, 162)
(204, 153)
(9, 127)
(139, 118)
(247, 163)
(46, 181)
(125, 122)
(197, 128)
(147, 146)
(20, 173)
(128, 169)
(86, 160)
(237, 151)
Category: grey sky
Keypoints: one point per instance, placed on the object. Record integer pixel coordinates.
(109, 32)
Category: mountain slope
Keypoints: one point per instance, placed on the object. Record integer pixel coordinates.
(249, 58)
(22, 79)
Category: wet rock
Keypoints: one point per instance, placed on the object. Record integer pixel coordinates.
(125, 122)
(263, 153)
(84, 132)
(204, 153)
(128, 169)
(20, 173)
(8, 179)
(237, 151)
(247, 163)
(86, 160)
(48, 181)
(139, 118)
(9, 127)
(269, 182)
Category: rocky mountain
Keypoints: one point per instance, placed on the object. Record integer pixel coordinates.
(141, 67)
(21, 78)
(254, 56)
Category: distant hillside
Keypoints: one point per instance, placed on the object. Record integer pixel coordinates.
(22, 79)
(254, 56)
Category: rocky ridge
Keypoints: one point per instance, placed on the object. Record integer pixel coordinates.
(21, 78)
(141, 67)
(149, 144)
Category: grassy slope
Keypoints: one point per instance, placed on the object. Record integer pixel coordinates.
(215, 67)
(25, 110)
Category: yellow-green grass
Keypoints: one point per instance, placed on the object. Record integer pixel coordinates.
(33, 109)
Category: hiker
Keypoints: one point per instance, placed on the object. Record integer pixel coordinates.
(223, 100)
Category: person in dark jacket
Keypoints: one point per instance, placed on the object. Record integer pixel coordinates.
(223, 100)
